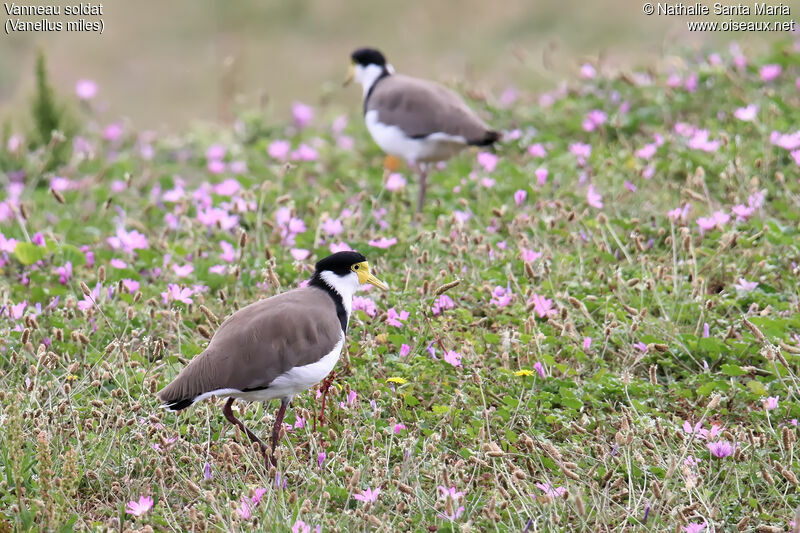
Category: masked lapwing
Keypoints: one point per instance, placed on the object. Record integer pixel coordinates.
(414, 119)
(277, 347)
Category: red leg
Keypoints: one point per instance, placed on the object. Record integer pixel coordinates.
(276, 429)
(228, 412)
(326, 385)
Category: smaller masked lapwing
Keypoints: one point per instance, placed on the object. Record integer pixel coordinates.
(277, 347)
(414, 119)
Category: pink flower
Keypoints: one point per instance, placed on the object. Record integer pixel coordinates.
(130, 285)
(539, 369)
(581, 151)
(587, 343)
(86, 89)
(112, 132)
(229, 187)
(118, 263)
(398, 428)
(301, 527)
(487, 160)
(553, 492)
(393, 317)
(700, 141)
(743, 286)
(228, 254)
(182, 271)
(788, 141)
(244, 508)
(442, 303)
(279, 149)
(746, 114)
(720, 449)
(176, 293)
(452, 357)
(594, 119)
(128, 240)
(647, 151)
(755, 200)
(694, 527)
(537, 150)
(594, 198)
(368, 496)
(679, 213)
(339, 247)
(302, 114)
(304, 153)
(717, 220)
(383, 242)
(64, 273)
(630, 186)
(395, 182)
(588, 71)
(321, 458)
(90, 300)
(770, 72)
(529, 256)
(300, 253)
(501, 296)
(771, 403)
(405, 349)
(362, 303)
(455, 515)
(542, 306)
(332, 226)
(541, 175)
(642, 347)
(141, 507)
(697, 429)
(16, 311)
(451, 492)
(519, 196)
(7, 245)
(742, 212)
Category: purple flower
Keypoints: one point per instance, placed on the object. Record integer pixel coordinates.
(442, 303)
(770, 72)
(405, 349)
(321, 458)
(539, 369)
(394, 318)
(86, 89)
(487, 160)
(368, 496)
(743, 286)
(720, 449)
(138, 508)
(207, 471)
(502, 296)
(771, 403)
(593, 198)
(519, 197)
(302, 114)
(453, 357)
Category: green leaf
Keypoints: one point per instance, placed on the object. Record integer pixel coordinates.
(440, 409)
(28, 253)
(572, 403)
(732, 370)
(73, 254)
(757, 388)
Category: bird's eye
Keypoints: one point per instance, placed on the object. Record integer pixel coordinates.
(356, 267)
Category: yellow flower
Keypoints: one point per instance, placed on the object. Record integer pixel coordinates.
(399, 381)
(523, 372)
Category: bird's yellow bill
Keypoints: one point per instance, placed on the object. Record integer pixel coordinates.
(365, 276)
(351, 72)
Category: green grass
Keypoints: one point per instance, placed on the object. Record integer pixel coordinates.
(83, 435)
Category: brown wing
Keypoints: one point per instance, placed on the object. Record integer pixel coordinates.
(421, 108)
(260, 342)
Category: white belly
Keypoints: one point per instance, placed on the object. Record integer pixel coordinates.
(392, 140)
(288, 384)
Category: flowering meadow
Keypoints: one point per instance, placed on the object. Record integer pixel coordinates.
(594, 328)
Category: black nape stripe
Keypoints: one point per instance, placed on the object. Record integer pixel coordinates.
(317, 282)
(384, 74)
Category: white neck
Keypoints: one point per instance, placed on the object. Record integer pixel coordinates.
(367, 76)
(345, 286)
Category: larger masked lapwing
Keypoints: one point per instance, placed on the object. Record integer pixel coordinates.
(414, 119)
(277, 347)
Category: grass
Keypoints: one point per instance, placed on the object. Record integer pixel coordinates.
(561, 418)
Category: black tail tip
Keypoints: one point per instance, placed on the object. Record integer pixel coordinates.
(490, 138)
(177, 405)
